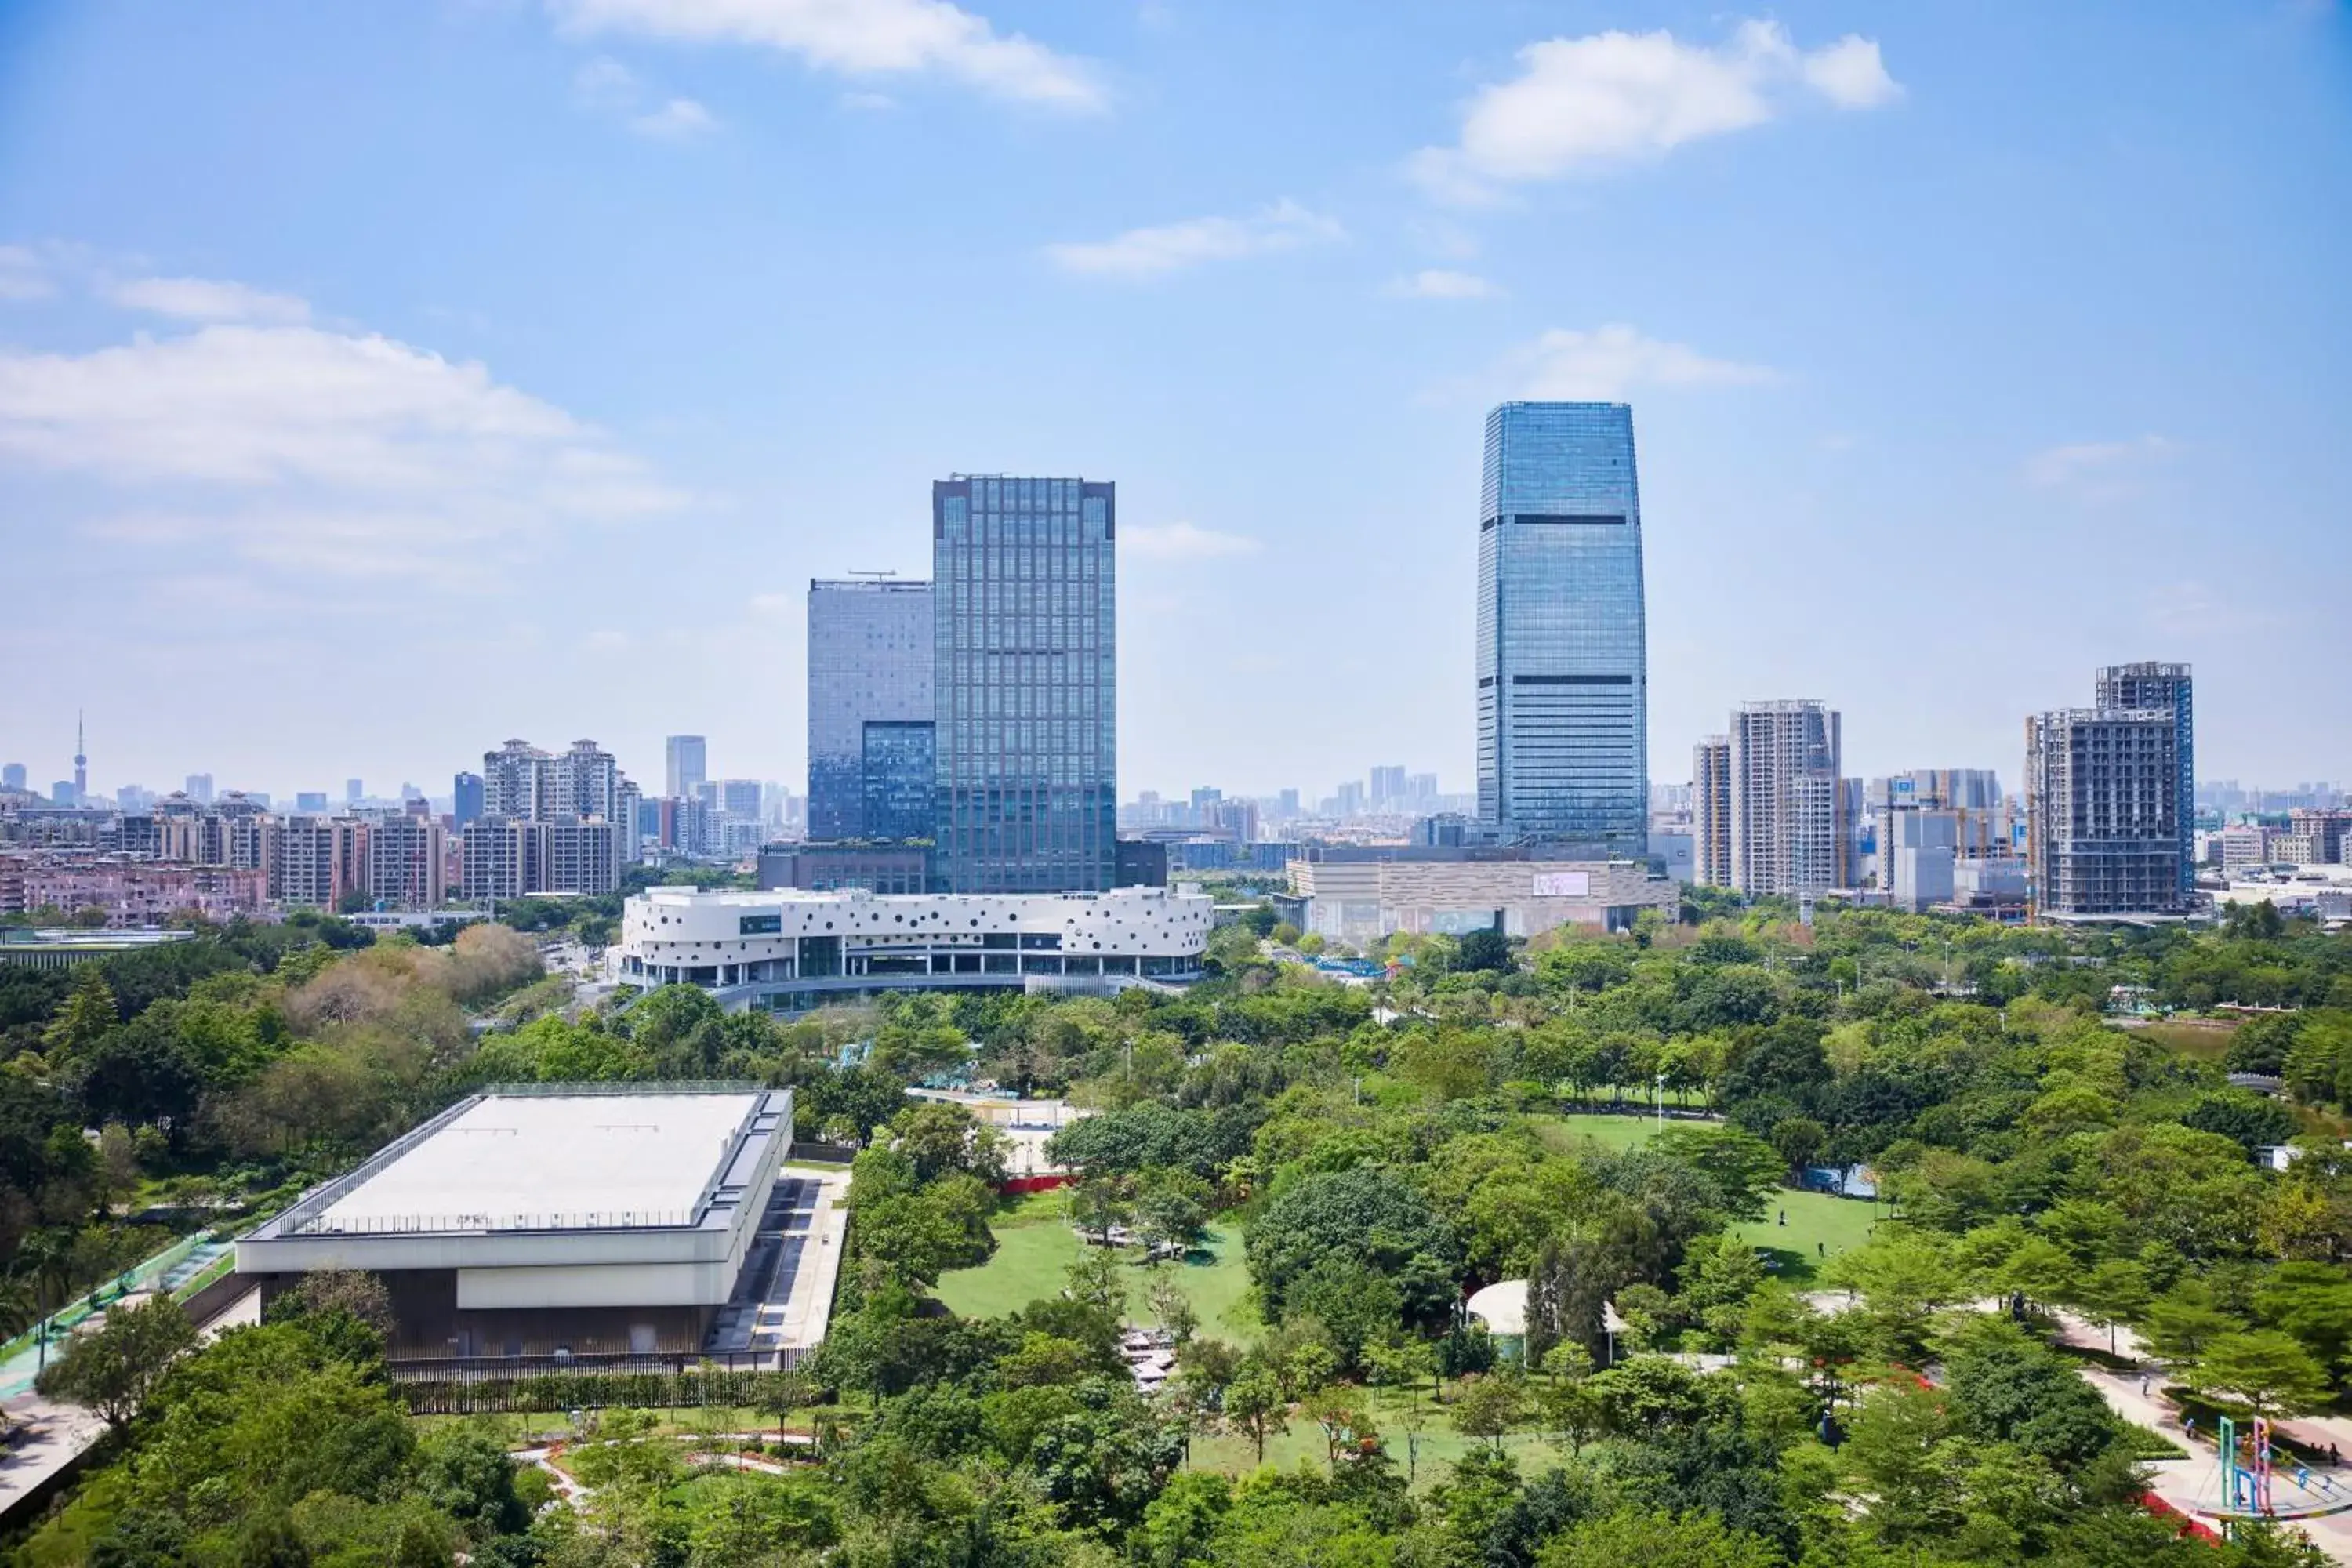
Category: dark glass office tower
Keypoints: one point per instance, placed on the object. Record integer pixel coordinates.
(1025, 683)
(869, 686)
(1563, 676)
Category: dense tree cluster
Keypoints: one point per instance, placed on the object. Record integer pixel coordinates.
(1689, 1389)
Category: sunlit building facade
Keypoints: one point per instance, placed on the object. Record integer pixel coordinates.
(1025, 672)
(1563, 747)
(869, 710)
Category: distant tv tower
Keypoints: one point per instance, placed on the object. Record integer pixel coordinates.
(82, 762)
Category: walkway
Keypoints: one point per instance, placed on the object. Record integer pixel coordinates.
(23, 1362)
(784, 1297)
(2189, 1484)
(51, 1437)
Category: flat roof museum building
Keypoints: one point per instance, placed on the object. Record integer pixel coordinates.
(576, 1222)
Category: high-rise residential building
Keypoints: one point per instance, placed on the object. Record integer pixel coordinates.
(354, 791)
(12, 777)
(584, 782)
(1024, 683)
(1388, 784)
(404, 861)
(580, 807)
(1711, 811)
(1788, 828)
(518, 781)
(2104, 833)
(1563, 686)
(501, 857)
(870, 645)
(312, 801)
(199, 788)
(685, 768)
(629, 815)
(2168, 687)
(1347, 800)
(316, 860)
(466, 799)
(1420, 789)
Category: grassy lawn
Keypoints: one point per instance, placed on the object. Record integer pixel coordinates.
(1820, 1226)
(1816, 1222)
(1563, 1133)
(1034, 1245)
(1437, 1444)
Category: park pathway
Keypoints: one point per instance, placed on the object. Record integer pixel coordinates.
(2184, 1484)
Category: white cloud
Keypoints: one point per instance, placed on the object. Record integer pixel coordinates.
(1437, 283)
(2064, 465)
(2097, 471)
(679, 119)
(604, 85)
(1607, 363)
(23, 275)
(1182, 541)
(203, 299)
(607, 87)
(1169, 248)
(859, 37)
(1611, 99)
(316, 451)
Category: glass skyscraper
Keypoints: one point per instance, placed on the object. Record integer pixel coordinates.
(1025, 669)
(1563, 675)
(869, 710)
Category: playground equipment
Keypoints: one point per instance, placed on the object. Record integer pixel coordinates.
(2247, 1488)
(2247, 1483)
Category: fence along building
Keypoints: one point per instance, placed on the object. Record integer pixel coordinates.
(570, 1222)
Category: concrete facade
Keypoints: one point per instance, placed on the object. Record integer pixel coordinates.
(2105, 832)
(1360, 900)
(573, 1221)
(1788, 830)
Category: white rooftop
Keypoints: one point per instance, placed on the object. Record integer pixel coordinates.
(553, 1159)
(1502, 1307)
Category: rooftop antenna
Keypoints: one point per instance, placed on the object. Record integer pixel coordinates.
(875, 576)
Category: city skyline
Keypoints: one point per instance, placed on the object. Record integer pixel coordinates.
(1967, 354)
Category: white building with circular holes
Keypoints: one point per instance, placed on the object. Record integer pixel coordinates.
(784, 950)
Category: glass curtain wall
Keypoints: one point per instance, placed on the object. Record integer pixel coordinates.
(1026, 727)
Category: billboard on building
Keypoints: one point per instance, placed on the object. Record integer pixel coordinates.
(1563, 885)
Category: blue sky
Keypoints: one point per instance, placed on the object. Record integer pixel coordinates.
(378, 382)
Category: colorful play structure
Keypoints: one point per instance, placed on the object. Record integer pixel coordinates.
(2246, 1488)
(2250, 1482)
